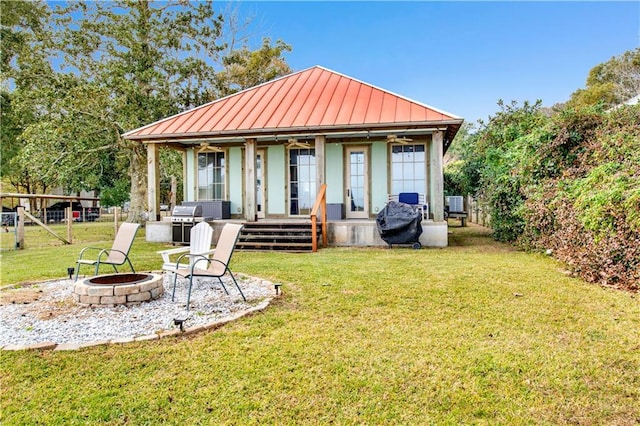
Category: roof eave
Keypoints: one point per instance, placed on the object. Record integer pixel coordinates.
(327, 130)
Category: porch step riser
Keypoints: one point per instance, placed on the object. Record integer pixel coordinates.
(276, 236)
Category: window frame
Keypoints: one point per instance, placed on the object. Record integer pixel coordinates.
(418, 183)
(210, 184)
(312, 180)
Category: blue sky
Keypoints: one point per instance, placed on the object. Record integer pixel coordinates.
(461, 57)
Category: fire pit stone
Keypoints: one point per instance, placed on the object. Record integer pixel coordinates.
(118, 289)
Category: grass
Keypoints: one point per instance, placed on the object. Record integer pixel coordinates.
(476, 333)
(46, 257)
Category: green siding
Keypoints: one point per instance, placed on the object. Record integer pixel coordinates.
(334, 172)
(378, 173)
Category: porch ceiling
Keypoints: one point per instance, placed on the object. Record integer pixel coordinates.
(303, 104)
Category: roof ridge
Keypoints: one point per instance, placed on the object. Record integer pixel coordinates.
(441, 111)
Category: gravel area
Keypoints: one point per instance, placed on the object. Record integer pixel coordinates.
(46, 312)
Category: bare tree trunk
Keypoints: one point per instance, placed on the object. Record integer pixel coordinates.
(138, 211)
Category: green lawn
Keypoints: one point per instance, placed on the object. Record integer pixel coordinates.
(476, 333)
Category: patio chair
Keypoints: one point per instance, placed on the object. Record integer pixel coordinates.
(199, 245)
(416, 200)
(218, 265)
(117, 255)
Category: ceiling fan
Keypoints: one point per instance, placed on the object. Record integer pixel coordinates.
(397, 139)
(211, 148)
(295, 143)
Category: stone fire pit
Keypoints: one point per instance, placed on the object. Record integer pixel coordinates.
(118, 289)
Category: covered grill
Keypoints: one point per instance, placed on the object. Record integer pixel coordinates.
(183, 218)
(400, 223)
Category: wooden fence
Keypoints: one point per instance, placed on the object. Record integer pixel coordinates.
(477, 211)
(23, 217)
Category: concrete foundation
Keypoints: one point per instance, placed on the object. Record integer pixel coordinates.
(158, 232)
(434, 234)
(353, 233)
(344, 233)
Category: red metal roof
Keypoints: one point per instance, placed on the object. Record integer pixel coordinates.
(312, 99)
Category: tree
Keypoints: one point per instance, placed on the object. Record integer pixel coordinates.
(23, 64)
(22, 22)
(498, 164)
(135, 62)
(461, 175)
(127, 63)
(245, 68)
(610, 83)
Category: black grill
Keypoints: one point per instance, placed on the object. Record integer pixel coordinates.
(183, 218)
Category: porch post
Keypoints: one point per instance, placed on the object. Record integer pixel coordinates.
(250, 210)
(320, 170)
(436, 178)
(153, 181)
(185, 176)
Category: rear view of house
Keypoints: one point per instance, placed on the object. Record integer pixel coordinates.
(266, 151)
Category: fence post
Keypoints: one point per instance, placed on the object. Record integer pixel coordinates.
(68, 213)
(476, 210)
(20, 235)
(116, 214)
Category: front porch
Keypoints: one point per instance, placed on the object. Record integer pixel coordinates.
(340, 233)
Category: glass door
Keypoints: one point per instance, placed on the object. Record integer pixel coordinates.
(357, 183)
(260, 191)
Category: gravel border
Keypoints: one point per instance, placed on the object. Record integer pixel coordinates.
(56, 322)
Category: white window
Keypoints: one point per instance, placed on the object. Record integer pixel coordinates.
(302, 181)
(408, 169)
(211, 176)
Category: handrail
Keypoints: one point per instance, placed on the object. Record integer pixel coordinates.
(321, 202)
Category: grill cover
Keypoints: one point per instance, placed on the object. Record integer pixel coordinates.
(187, 211)
(399, 223)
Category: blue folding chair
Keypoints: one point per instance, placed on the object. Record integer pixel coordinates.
(413, 199)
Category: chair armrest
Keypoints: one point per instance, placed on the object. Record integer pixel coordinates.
(102, 250)
(108, 253)
(194, 258)
(198, 258)
(166, 253)
(205, 253)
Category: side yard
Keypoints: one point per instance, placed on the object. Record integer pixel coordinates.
(474, 333)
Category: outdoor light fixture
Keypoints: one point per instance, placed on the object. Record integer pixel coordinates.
(180, 320)
(211, 148)
(295, 143)
(70, 271)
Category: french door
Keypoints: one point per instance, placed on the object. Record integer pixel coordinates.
(357, 182)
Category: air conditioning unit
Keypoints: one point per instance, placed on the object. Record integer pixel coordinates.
(455, 203)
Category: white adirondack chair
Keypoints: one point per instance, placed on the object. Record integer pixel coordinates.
(196, 254)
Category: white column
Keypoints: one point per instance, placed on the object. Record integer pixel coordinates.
(185, 176)
(153, 181)
(250, 209)
(436, 178)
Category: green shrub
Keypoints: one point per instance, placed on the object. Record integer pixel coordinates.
(569, 182)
